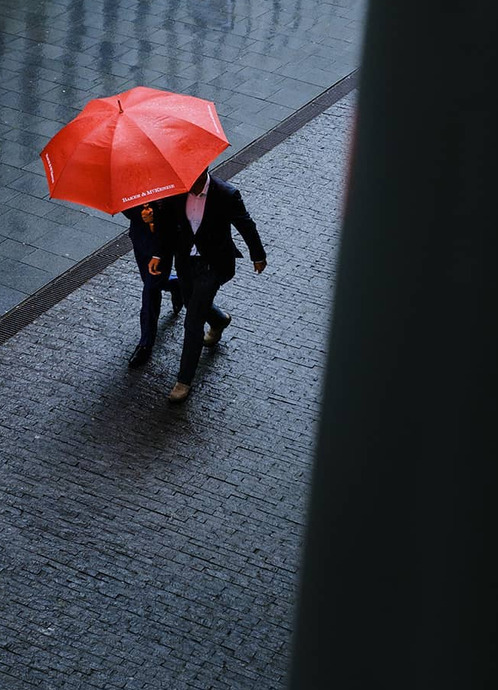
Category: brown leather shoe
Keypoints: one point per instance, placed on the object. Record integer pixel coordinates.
(213, 336)
(179, 392)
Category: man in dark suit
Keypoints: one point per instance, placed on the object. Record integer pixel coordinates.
(197, 228)
(142, 228)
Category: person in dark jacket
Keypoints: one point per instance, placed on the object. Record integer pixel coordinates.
(197, 228)
(144, 221)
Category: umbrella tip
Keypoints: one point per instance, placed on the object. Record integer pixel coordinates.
(120, 108)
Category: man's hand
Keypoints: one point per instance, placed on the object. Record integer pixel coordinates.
(260, 266)
(154, 266)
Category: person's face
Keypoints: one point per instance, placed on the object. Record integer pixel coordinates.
(198, 185)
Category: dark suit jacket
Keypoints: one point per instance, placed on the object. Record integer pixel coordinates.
(224, 208)
(144, 241)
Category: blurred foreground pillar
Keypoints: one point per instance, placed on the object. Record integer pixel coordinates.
(399, 578)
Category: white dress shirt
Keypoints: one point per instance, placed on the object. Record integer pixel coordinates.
(194, 210)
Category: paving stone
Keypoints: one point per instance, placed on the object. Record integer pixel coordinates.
(19, 276)
(9, 298)
(28, 204)
(7, 175)
(14, 250)
(70, 243)
(30, 183)
(54, 264)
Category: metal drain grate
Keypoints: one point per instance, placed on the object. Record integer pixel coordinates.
(62, 286)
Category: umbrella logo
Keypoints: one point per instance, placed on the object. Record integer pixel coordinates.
(50, 168)
(156, 190)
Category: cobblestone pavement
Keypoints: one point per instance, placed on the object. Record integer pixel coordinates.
(150, 547)
(259, 61)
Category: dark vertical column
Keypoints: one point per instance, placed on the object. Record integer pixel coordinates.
(399, 579)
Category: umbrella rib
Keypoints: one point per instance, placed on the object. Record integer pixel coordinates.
(111, 149)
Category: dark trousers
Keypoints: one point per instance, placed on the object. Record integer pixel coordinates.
(153, 287)
(199, 285)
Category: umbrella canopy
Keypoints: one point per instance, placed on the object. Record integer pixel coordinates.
(132, 148)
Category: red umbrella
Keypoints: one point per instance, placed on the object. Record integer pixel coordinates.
(132, 148)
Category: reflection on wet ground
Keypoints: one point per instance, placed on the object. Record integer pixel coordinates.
(259, 61)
